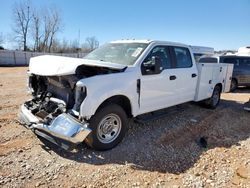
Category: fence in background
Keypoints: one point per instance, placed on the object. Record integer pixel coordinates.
(20, 58)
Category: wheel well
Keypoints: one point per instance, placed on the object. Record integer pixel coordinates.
(235, 80)
(220, 85)
(121, 100)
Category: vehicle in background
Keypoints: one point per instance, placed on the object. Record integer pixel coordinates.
(244, 51)
(241, 72)
(241, 61)
(199, 51)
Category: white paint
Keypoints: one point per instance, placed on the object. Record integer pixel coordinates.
(137, 52)
(202, 50)
(157, 91)
(211, 74)
(48, 65)
(244, 51)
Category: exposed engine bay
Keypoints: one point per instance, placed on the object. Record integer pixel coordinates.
(58, 91)
(54, 95)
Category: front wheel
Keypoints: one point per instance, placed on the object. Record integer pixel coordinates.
(213, 102)
(108, 127)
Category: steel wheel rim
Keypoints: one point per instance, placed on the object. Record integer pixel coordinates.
(109, 128)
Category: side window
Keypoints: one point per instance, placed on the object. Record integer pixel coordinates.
(160, 52)
(231, 60)
(245, 63)
(183, 57)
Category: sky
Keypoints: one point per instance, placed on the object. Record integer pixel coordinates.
(222, 24)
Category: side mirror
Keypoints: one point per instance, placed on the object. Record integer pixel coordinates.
(153, 66)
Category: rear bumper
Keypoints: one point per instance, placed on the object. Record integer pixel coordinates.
(64, 131)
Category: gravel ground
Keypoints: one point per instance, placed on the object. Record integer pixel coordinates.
(163, 153)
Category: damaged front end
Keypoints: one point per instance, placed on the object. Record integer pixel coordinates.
(58, 127)
(53, 111)
(64, 130)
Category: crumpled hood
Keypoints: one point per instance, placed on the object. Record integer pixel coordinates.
(49, 65)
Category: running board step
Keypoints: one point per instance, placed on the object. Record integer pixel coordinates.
(152, 116)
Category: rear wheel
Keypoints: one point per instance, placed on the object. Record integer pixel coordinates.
(213, 102)
(108, 127)
(234, 85)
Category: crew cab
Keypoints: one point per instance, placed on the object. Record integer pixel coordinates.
(90, 99)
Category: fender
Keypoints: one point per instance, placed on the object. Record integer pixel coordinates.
(100, 88)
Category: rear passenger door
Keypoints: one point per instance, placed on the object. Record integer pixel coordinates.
(186, 73)
(244, 71)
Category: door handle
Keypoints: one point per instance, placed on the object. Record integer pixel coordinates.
(172, 77)
(194, 75)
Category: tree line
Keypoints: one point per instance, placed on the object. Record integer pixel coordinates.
(37, 29)
(1, 41)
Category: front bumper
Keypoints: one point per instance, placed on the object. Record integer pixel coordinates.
(64, 131)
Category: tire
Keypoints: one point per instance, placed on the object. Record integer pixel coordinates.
(234, 85)
(108, 127)
(214, 101)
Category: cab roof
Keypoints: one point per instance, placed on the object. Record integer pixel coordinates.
(148, 41)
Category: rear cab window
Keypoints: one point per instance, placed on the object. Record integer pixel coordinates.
(208, 60)
(182, 56)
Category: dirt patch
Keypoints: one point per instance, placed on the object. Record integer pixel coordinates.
(195, 147)
(214, 129)
(14, 145)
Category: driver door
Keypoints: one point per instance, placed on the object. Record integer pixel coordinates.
(158, 89)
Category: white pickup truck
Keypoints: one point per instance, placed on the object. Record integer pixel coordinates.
(90, 99)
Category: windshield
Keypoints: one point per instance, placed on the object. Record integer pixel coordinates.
(120, 53)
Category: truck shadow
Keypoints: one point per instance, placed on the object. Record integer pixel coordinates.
(172, 144)
(242, 90)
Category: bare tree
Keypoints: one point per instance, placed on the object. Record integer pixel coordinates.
(51, 26)
(36, 29)
(1, 39)
(22, 18)
(56, 46)
(46, 32)
(92, 43)
(55, 23)
(66, 46)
